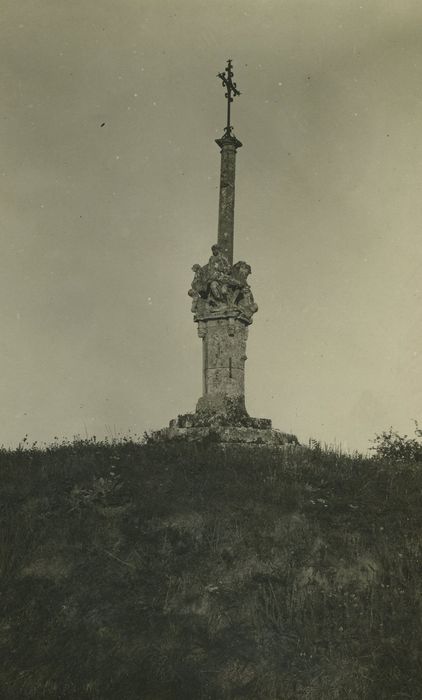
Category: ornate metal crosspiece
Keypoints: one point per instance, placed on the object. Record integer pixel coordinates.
(232, 91)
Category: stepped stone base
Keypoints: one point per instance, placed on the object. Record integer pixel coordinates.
(195, 428)
(233, 435)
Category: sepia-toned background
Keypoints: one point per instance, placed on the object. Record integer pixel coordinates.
(100, 225)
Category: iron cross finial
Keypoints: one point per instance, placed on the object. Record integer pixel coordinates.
(232, 90)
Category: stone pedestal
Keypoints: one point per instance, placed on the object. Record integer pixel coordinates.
(230, 425)
(223, 362)
(225, 435)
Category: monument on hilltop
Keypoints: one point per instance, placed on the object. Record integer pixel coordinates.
(223, 307)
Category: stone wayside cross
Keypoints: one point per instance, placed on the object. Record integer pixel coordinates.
(223, 306)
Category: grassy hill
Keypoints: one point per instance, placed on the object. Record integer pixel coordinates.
(167, 572)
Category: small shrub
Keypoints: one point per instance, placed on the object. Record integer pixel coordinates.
(398, 448)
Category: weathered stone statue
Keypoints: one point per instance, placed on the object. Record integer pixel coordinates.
(220, 287)
(196, 287)
(245, 300)
(218, 272)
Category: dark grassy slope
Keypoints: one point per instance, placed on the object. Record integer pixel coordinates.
(166, 572)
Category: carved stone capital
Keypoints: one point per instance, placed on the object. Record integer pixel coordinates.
(228, 140)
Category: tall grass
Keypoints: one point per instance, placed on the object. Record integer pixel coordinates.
(159, 572)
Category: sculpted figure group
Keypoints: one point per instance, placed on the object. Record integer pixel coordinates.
(218, 286)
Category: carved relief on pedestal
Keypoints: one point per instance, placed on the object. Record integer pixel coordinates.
(220, 289)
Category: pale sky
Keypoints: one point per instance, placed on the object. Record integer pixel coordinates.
(101, 224)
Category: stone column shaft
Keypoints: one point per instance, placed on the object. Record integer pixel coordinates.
(228, 144)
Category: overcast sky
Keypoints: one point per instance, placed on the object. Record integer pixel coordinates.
(101, 224)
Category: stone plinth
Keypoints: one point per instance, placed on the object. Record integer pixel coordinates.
(229, 425)
(226, 435)
(223, 362)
